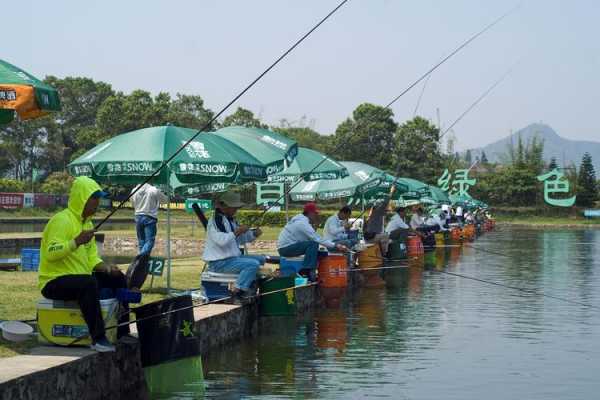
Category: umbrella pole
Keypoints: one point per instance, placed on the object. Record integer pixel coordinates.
(286, 200)
(169, 244)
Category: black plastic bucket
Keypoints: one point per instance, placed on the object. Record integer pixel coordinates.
(166, 334)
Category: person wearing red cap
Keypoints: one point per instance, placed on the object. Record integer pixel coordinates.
(299, 238)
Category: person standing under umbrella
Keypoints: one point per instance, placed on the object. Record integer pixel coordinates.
(146, 202)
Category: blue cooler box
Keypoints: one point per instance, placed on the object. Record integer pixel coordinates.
(290, 266)
(217, 286)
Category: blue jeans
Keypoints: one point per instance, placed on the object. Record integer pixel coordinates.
(308, 249)
(245, 266)
(145, 227)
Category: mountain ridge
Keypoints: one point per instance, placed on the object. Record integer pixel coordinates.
(571, 151)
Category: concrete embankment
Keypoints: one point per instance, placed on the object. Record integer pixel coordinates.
(51, 373)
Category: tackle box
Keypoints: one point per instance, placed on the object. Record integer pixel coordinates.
(61, 322)
(216, 285)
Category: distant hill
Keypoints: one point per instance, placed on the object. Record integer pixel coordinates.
(554, 146)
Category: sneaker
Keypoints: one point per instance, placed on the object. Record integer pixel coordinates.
(102, 345)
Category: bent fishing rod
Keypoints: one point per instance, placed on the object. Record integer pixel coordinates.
(225, 108)
(402, 93)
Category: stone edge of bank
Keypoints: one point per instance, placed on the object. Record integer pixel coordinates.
(70, 373)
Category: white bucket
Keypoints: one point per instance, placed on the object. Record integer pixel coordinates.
(16, 331)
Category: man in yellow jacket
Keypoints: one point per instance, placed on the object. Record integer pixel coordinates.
(70, 268)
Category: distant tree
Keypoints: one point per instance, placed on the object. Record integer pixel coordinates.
(11, 185)
(417, 153)
(587, 189)
(468, 157)
(484, 159)
(553, 164)
(67, 129)
(243, 117)
(306, 137)
(57, 183)
(368, 136)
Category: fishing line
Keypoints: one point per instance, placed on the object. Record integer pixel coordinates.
(217, 115)
(421, 95)
(529, 291)
(478, 100)
(395, 99)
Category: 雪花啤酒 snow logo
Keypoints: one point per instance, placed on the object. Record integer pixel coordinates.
(196, 150)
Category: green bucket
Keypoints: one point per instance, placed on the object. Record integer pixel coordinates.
(280, 303)
(397, 250)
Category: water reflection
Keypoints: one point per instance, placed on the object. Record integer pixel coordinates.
(432, 335)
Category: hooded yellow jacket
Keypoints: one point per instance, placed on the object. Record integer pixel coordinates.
(59, 255)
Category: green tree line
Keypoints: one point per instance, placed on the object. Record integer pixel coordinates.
(93, 111)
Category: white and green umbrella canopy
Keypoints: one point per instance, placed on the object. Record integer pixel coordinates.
(358, 182)
(130, 158)
(311, 165)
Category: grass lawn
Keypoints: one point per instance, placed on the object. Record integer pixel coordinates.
(178, 231)
(20, 294)
(549, 221)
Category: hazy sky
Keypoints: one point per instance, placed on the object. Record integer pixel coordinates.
(370, 51)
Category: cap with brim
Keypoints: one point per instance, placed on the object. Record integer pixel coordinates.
(231, 199)
(100, 194)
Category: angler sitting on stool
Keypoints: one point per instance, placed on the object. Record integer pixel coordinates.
(299, 238)
(70, 269)
(374, 229)
(222, 246)
(397, 229)
(337, 227)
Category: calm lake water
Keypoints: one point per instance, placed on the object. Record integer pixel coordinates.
(429, 335)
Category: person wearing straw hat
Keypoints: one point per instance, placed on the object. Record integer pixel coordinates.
(222, 246)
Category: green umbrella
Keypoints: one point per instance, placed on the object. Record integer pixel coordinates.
(24, 94)
(374, 193)
(356, 184)
(131, 157)
(272, 149)
(416, 188)
(438, 195)
(208, 163)
(304, 165)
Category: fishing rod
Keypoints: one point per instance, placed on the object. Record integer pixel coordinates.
(478, 100)
(225, 108)
(406, 90)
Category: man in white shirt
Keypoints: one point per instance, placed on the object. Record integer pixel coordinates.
(337, 226)
(299, 238)
(397, 228)
(459, 214)
(146, 202)
(222, 246)
(437, 220)
(417, 220)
